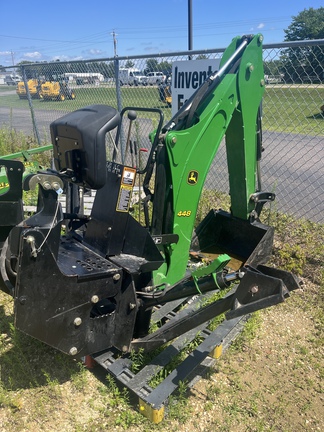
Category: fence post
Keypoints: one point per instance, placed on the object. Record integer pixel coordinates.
(36, 134)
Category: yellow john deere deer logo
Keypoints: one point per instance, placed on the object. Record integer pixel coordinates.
(192, 177)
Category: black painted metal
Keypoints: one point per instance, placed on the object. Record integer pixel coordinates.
(60, 306)
(11, 202)
(140, 383)
(220, 232)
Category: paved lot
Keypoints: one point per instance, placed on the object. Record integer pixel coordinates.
(292, 167)
(21, 120)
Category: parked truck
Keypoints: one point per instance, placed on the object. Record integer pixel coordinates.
(84, 77)
(131, 77)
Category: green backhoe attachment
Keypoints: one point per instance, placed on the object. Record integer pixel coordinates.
(96, 287)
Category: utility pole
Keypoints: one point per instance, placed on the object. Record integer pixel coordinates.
(13, 63)
(190, 26)
(115, 42)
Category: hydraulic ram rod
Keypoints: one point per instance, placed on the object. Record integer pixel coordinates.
(212, 79)
(187, 288)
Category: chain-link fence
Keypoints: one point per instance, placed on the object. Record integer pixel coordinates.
(293, 132)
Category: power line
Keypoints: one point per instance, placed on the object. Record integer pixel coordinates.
(155, 29)
(142, 34)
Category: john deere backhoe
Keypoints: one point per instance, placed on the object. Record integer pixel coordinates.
(95, 288)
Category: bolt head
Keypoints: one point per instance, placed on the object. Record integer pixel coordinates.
(22, 300)
(254, 289)
(56, 186)
(116, 277)
(73, 351)
(47, 185)
(94, 299)
(77, 322)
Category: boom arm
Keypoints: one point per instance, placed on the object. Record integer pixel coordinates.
(226, 104)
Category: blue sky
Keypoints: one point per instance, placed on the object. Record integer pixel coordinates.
(71, 30)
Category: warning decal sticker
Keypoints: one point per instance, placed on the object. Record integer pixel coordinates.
(128, 176)
(124, 199)
(126, 188)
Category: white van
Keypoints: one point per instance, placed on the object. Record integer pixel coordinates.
(12, 79)
(155, 78)
(131, 77)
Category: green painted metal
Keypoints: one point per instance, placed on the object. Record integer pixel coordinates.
(241, 137)
(30, 166)
(231, 109)
(25, 154)
(214, 267)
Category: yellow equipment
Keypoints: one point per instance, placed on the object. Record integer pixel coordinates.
(33, 88)
(165, 92)
(56, 90)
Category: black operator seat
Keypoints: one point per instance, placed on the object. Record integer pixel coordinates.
(79, 144)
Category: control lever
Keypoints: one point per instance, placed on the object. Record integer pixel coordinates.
(131, 116)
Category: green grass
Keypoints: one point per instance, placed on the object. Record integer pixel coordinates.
(6, 88)
(131, 96)
(295, 110)
(285, 109)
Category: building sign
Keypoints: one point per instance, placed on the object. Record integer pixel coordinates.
(187, 76)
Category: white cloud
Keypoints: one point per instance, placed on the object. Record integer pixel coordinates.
(65, 58)
(95, 51)
(258, 27)
(33, 55)
(5, 53)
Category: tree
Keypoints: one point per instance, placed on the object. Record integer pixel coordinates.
(273, 67)
(129, 64)
(30, 71)
(152, 65)
(307, 25)
(305, 63)
(109, 70)
(165, 66)
(202, 57)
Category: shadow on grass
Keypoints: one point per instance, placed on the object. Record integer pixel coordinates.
(317, 116)
(26, 362)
